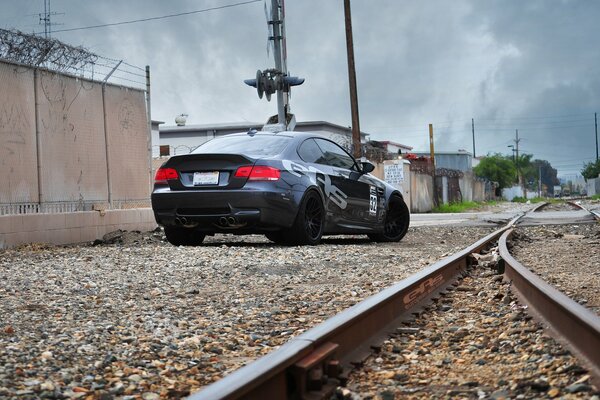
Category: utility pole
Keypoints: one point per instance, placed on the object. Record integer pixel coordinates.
(352, 81)
(517, 140)
(540, 181)
(473, 130)
(596, 124)
(432, 155)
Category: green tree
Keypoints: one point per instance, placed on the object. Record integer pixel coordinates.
(497, 168)
(591, 170)
(531, 174)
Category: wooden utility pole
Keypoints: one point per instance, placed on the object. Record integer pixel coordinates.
(432, 155)
(473, 130)
(352, 81)
(596, 125)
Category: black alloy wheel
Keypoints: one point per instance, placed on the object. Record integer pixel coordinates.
(396, 222)
(308, 227)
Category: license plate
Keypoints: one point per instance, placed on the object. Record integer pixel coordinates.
(206, 178)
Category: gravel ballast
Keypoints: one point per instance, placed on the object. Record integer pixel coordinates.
(143, 319)
(477, 342)
(566, 256)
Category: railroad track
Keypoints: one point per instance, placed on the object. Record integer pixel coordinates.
(313, 364)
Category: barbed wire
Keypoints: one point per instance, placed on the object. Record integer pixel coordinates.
(34, 50)
(54, 55)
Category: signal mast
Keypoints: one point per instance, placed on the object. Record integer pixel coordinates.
(277, 80)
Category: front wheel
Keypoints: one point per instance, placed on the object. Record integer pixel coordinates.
(183, 236)
(308, 226)
(396, 222)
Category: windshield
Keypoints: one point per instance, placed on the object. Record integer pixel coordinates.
(253, 146)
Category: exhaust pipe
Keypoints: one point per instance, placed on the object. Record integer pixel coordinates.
(223, 221)
(231, 221)
(178, 221)
(183, 220)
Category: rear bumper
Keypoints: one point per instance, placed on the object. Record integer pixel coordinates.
(244, 210)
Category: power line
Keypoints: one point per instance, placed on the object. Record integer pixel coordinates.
(157, 18)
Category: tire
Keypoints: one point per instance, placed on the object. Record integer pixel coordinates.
(396, 222)
(309, 223)
(183, 236)
(276, 237)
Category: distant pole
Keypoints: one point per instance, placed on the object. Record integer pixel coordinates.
(540, 181)
(473, 130)
(432, 155)
(352, 81)
(596, 124)
(517, 140)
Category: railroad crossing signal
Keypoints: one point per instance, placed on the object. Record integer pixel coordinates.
(270, 81)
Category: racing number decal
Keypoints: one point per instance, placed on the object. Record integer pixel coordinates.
(373, 201)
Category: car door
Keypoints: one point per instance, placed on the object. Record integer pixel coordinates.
(345, 180)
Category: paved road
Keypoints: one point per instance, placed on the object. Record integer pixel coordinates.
(504, 213)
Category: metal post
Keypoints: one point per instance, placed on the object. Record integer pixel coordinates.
(352, 81)
(107, 148)
(38, 139)
(149, 113)
(277, 38)
(473, 130)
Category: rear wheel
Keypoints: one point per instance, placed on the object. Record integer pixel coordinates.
(396, 222)
(276, 237)
(183, 236)
(308, 226)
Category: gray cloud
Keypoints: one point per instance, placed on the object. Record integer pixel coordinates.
(509, 64)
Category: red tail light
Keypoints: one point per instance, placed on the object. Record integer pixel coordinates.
(258, 173)
(163, 174)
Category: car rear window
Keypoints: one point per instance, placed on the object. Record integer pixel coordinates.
(253, 146)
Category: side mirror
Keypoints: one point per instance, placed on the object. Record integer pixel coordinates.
(367, 167)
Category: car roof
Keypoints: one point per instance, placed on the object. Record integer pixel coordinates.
(294, 134)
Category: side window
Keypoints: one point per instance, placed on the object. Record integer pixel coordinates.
(334, 155)
(310, 152)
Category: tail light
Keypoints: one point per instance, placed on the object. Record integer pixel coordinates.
(258, 173)
(164, 174)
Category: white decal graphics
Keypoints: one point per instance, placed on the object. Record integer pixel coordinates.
(333, 192)
(373, 201)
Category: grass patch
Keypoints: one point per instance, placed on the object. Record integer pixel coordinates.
(461, 207)
(595, 197)
(519, 199)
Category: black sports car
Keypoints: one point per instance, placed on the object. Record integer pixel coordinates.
(294, 187)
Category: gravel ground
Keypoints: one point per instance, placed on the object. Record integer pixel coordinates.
(139, 318)
(477, 342)
(566, 256)
(563, 206)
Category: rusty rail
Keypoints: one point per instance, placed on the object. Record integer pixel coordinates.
(569, 322)
(311, 365)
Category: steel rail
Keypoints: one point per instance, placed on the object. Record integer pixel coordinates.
(569, 322)
(310, 365)
(596, 214)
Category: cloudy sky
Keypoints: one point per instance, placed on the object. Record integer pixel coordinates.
(510, 64)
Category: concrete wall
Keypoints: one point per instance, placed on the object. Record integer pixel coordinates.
(512, 192)
(65, 228)
(479, 191)
(70, 144)
(421, 192)
(593, 186)
(400, 179)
